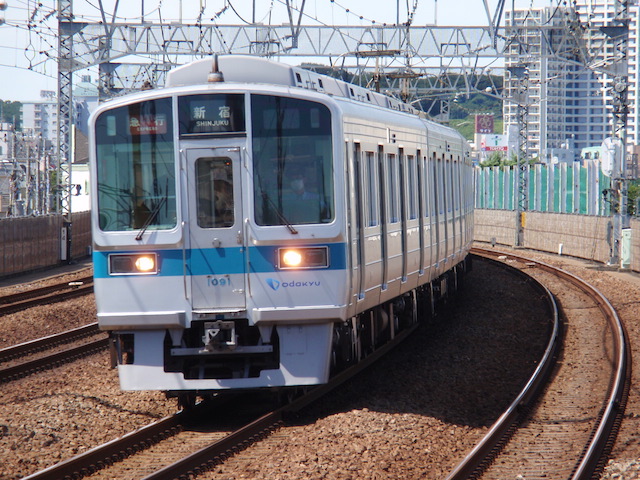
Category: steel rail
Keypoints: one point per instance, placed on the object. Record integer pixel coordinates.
(29, 299)
(610, 416)
(49, 361)
(215, 453)
(603, 436)
(113, 451)
(43, 343)
(488, 447)
(38, 292)
(96, 458)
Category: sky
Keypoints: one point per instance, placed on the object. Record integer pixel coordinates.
(28, 42)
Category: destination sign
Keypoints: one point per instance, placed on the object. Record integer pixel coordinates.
(211, 113)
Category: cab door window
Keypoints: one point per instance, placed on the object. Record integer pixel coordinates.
(214, 192)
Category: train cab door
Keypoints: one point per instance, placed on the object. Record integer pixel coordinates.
(215, 257)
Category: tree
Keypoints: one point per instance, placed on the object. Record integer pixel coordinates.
(10, 112)
(494, 160)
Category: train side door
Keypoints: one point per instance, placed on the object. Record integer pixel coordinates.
(215, 256)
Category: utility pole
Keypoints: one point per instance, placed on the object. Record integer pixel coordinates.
(619, 34)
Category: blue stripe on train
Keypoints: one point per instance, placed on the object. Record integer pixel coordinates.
(216, 261)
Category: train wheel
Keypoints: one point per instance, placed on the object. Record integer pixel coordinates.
(383, 324)
(357, 341)
(406, 310)
(346, 348)
(411, 309)
(288, 395)
(426, 303)
(432, 301)
(186, 401)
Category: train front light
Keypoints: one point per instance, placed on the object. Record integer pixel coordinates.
(133, 264)
(303, 257)
(145, 264)
(291, 258)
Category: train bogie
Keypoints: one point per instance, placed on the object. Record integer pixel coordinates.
(267, 232)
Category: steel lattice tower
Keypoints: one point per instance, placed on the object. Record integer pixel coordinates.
(66, 31)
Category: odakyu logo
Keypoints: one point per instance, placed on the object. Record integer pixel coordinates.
(275, 284)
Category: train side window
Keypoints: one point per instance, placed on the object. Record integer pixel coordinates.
(451, 189)
(363, 188)
(392, 188)
(435, 210)
(412, 178)
(440, 178)
(425, 186)
(457, 172)
(214, 192)
(382, 188)
(370, 179)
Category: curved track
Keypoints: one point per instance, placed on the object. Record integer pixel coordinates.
(569, 431)
(520, 443)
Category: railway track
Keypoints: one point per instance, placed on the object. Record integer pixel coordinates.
(569, 430)
(26, 358)
(46, 295)
(186, 444)
(523, 442)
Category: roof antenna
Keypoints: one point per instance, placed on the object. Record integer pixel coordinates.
(215, 75)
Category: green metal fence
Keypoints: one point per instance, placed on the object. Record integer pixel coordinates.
(561, 188)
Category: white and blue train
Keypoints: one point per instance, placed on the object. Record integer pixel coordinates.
(260, 225)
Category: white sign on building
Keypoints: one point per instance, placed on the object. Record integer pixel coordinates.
(493, 143)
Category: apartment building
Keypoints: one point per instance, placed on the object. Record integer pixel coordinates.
(41, 118)
(569, 96)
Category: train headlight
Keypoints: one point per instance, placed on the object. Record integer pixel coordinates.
(303, 257)
(291, 258)
(133, 264)
(146, 264)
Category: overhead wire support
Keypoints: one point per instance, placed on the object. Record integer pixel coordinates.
(618, 32)
(461, 51)
(520, 74)
(494, 22)
(66, 31)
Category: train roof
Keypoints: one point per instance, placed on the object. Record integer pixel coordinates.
(250, 69)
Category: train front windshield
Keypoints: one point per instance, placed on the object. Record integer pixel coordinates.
(136, 167)
(292, 161)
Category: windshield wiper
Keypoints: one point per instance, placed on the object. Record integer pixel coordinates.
(281, 217)
(151, 218)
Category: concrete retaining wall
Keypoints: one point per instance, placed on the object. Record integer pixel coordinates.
(32, 243)
(583, 236)
(494, 226)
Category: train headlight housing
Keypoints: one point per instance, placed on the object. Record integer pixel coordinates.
(303, 257)
(133, 264)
